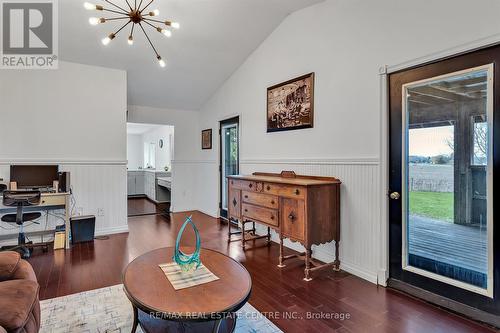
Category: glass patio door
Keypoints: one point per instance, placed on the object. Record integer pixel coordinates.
(442, 236)
(446, 211)
(229, 158)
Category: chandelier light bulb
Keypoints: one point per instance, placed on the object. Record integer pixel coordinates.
(130, 40)
(166, 32)
(161, 61)
(155, 12)
(94, 21)
(175, 25)
(105, 41)
(89, 6)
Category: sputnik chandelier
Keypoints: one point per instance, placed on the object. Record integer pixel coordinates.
(136, 15)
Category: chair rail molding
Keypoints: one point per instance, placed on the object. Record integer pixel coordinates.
(193, 161)
(14, 160)
(320, 161)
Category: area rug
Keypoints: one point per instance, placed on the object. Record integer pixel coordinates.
(108, 310)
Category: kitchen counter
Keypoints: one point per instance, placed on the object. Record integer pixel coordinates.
(154, 184)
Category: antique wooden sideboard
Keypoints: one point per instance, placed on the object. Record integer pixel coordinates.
(305, 209)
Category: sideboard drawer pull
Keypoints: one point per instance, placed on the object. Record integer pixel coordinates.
(250, 185)
(268, 188)
(272, 202)
(246, 196)
(297, 192)
(272, 217)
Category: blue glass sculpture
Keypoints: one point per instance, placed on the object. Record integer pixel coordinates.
(187, 262)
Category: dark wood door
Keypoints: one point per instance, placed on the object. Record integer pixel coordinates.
(444, 151)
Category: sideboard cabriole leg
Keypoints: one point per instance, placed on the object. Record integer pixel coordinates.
(281, 265)
(268, 235)
(336, 263)
(307, 270)
(136, 321)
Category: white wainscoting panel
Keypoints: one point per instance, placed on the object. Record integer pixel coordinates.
(360, 209)
(95, 186)
(192, 184)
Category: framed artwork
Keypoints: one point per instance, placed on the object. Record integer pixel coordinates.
(290, 105)
(206, 139)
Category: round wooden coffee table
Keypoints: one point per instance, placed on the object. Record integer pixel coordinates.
(208, 307)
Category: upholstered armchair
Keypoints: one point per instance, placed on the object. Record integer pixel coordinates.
(19, 303)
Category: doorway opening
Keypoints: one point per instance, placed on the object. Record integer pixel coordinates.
(229, 162)
(150, 151)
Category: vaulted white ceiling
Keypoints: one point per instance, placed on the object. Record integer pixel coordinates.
(215, 37)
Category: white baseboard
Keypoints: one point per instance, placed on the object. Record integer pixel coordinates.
(382, 277)
(358, 271)
(98, 232)
(211, 214)
(111, 230)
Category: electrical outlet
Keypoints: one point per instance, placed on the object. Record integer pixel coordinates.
(100, 211)
(79, 211)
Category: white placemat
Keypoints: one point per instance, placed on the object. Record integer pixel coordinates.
(181, 280)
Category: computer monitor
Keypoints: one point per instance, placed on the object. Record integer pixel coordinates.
(33, 176)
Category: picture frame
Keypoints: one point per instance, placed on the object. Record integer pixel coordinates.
(206, 139)
(290, 104)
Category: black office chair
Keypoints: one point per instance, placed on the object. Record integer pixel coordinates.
(3, 187)
(21, 199)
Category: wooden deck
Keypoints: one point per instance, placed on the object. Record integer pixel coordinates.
(454, 244)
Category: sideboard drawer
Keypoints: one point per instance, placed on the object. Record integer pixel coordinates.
(260, 214)
(243, 184)
(259, 199)
(285, 190)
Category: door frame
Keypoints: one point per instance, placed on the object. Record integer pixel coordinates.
(384, 70)
(479, 307)
(230, 120)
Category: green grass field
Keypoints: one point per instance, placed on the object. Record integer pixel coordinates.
(435, 205)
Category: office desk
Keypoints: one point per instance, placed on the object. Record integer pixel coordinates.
(49, 201)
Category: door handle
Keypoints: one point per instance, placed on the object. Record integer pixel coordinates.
(395, 195)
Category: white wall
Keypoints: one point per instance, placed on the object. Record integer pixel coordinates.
(186, 162)
(162, 155)
(344, 43)
(135, 151)
(75, 117)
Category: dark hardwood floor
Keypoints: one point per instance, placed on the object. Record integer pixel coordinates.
(275, 291)
(137, 206)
